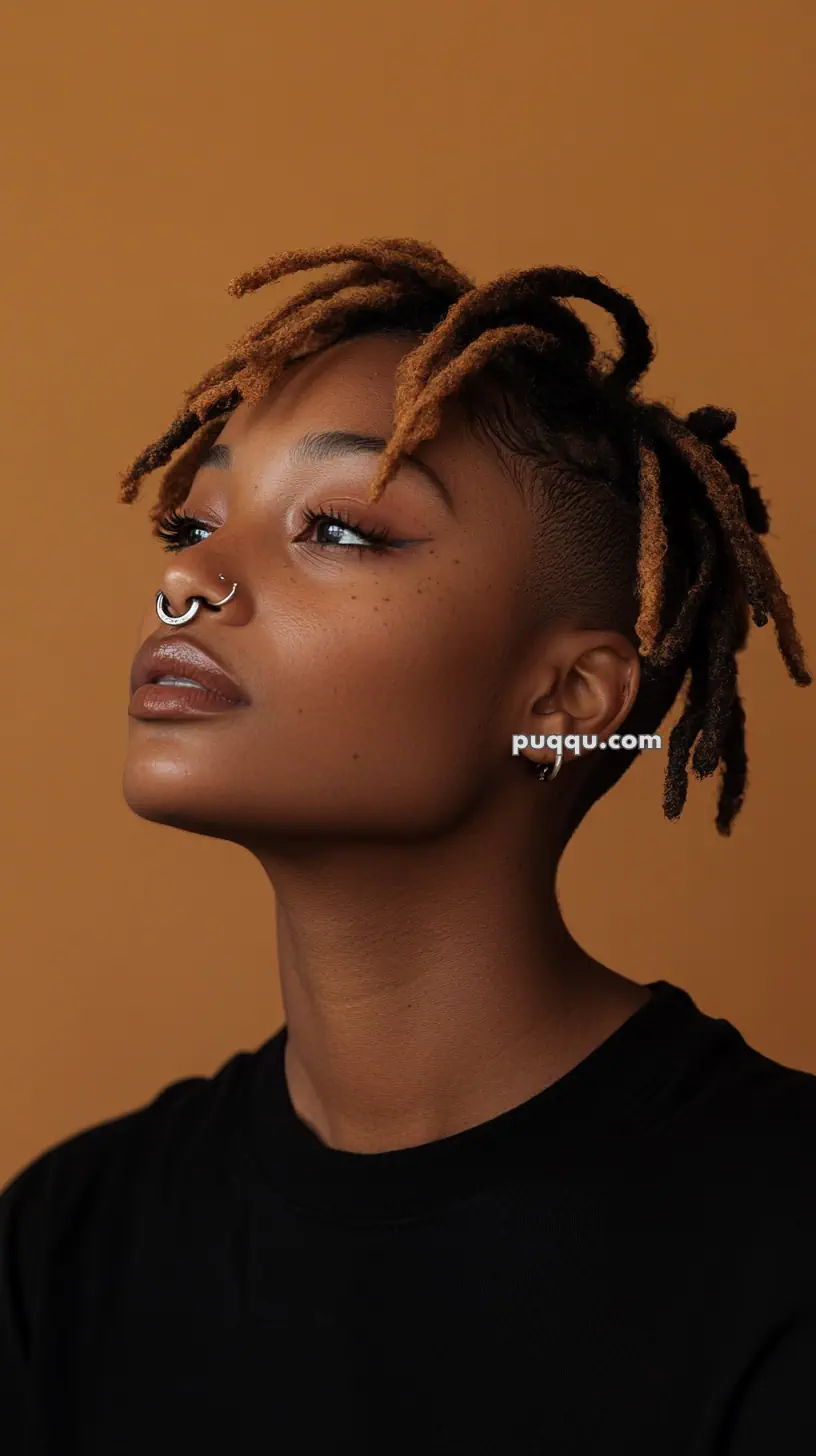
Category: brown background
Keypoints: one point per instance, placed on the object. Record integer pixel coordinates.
(150, 152)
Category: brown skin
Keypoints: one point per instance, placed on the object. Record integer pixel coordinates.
(428, 980)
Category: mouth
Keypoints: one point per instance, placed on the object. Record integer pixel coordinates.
(175, 678)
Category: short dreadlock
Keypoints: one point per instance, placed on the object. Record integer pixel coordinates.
(701, 569)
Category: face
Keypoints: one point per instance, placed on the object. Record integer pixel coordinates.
(375, 644)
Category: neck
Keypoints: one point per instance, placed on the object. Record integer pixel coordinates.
(428, 989)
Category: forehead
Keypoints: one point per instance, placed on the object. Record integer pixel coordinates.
(352, 386)
(357, 375)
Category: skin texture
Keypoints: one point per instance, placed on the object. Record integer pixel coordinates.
(429, 982)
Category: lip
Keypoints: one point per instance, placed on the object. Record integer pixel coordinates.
(180, 656)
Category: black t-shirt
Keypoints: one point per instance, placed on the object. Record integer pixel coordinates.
(623, 1263)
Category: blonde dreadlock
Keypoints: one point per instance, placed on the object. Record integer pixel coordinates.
(681, 466)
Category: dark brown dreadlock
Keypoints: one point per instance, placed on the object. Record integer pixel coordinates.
(695, 502)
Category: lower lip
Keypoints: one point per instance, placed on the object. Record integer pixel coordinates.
(164, 700)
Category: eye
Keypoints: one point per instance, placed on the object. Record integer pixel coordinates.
(177, 530)
(337, 528)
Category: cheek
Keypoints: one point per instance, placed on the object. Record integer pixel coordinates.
(377, 710)
(382, 666)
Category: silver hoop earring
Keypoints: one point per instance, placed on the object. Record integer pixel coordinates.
(548, 771)
(187, 616)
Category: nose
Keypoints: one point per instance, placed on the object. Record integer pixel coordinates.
(182, 587)
(183, 581)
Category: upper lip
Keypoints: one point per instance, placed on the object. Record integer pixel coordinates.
(179, 656)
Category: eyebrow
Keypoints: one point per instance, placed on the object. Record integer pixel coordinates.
(330, 445)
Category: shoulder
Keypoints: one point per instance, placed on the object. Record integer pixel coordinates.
(740, 1157)
(766, 1106)
(109, 1169)
(745, 1109)
(727, 1134)
(102, 1185)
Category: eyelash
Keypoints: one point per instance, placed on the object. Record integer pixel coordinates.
(176, 526)
(377, 537)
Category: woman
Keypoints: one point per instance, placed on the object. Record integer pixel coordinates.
(480, 1193)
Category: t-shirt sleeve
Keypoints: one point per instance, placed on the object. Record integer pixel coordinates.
(775, 1411)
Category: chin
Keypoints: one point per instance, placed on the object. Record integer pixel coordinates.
(163, 790)
(162, 787)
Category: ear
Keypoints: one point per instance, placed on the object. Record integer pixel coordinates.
(579, 683)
